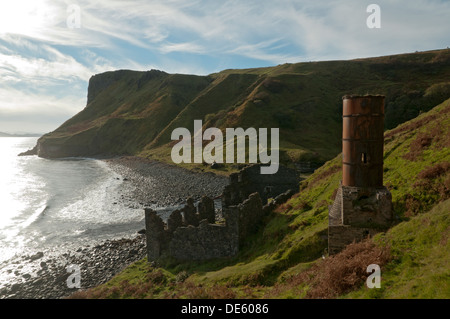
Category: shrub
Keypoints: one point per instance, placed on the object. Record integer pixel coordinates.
(435, 171)
(340, 273)
(422, 141)
(190, 290)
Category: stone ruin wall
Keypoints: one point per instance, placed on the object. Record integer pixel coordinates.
(215, 240)
(250, 180)
(192, 232)
(193, 238)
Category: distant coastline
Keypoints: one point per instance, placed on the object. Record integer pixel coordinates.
(2, 134)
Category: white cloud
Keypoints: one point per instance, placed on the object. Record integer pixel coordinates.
(14, 102)
(182, 47)
(41, 58)
(261, 51)
(338, 30)
(34, 71)
(35, 112)
(26, 17)
(40, 67)
(316, 29)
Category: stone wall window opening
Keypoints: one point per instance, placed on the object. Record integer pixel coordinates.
(364, 158)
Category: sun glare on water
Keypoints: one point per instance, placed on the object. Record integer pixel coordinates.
(9, 188)
(18, 194)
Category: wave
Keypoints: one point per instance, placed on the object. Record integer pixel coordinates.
(117, 229)
(37, 215)
(73, 158)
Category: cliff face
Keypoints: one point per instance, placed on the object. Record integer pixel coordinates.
(125, 111)
(130, 112)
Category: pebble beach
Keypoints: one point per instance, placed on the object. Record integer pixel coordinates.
(44, 274)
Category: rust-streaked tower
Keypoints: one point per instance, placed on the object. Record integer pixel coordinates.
(362, 205)
(362, 141)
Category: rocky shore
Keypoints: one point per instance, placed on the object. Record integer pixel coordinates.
(45, 274)
(160, 184)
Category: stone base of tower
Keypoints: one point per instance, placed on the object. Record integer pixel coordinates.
(357, 212)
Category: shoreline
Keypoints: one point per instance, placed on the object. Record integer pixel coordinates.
(97, 265)
(170, 185)
(44, 275)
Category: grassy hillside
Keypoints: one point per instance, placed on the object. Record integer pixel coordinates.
(287, 257)
(131, 112)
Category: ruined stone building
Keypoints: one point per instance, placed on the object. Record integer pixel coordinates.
(250, 180)
(363, 206)
(192, 232)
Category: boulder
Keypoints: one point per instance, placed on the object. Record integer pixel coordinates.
(36, 256)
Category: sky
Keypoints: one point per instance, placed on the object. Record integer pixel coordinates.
(50, 48)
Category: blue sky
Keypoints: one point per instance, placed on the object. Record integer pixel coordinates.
(50, 49)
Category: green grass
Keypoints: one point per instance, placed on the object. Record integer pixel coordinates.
(293, 240)
(421, 258)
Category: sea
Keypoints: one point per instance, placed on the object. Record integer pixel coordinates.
(51, 204)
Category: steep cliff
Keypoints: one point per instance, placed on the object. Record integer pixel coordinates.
(131, 112)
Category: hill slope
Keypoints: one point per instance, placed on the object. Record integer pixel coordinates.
(283, 260)
(131, 112)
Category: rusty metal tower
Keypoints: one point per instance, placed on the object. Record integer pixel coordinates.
(362, 205)
(362, 141)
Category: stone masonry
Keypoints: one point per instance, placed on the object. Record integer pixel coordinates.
(363, 206)
(207, 240)
(356, 214)
(192, 232)
(249, 180)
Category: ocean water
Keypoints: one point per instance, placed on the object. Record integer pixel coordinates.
(64, 203)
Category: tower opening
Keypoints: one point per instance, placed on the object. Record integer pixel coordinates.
(364, 158)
